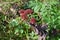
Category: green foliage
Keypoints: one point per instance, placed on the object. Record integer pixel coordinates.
(50, 12)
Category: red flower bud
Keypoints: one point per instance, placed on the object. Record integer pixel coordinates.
(32, 20)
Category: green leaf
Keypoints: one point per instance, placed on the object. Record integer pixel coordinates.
(14, 23)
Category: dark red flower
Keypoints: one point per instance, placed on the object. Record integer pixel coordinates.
(28, 11)
(32, 20)
(21, 11)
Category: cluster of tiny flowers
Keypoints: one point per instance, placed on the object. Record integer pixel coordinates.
(23, 14)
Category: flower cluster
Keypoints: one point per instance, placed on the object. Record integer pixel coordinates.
(23, 13)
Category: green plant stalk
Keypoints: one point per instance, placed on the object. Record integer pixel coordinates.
(26, 33)
(27, 37)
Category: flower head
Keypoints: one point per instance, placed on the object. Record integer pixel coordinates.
(32, 20)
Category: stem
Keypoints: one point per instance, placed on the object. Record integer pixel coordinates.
(27, 36)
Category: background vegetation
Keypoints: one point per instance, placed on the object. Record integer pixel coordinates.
(13, 28)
